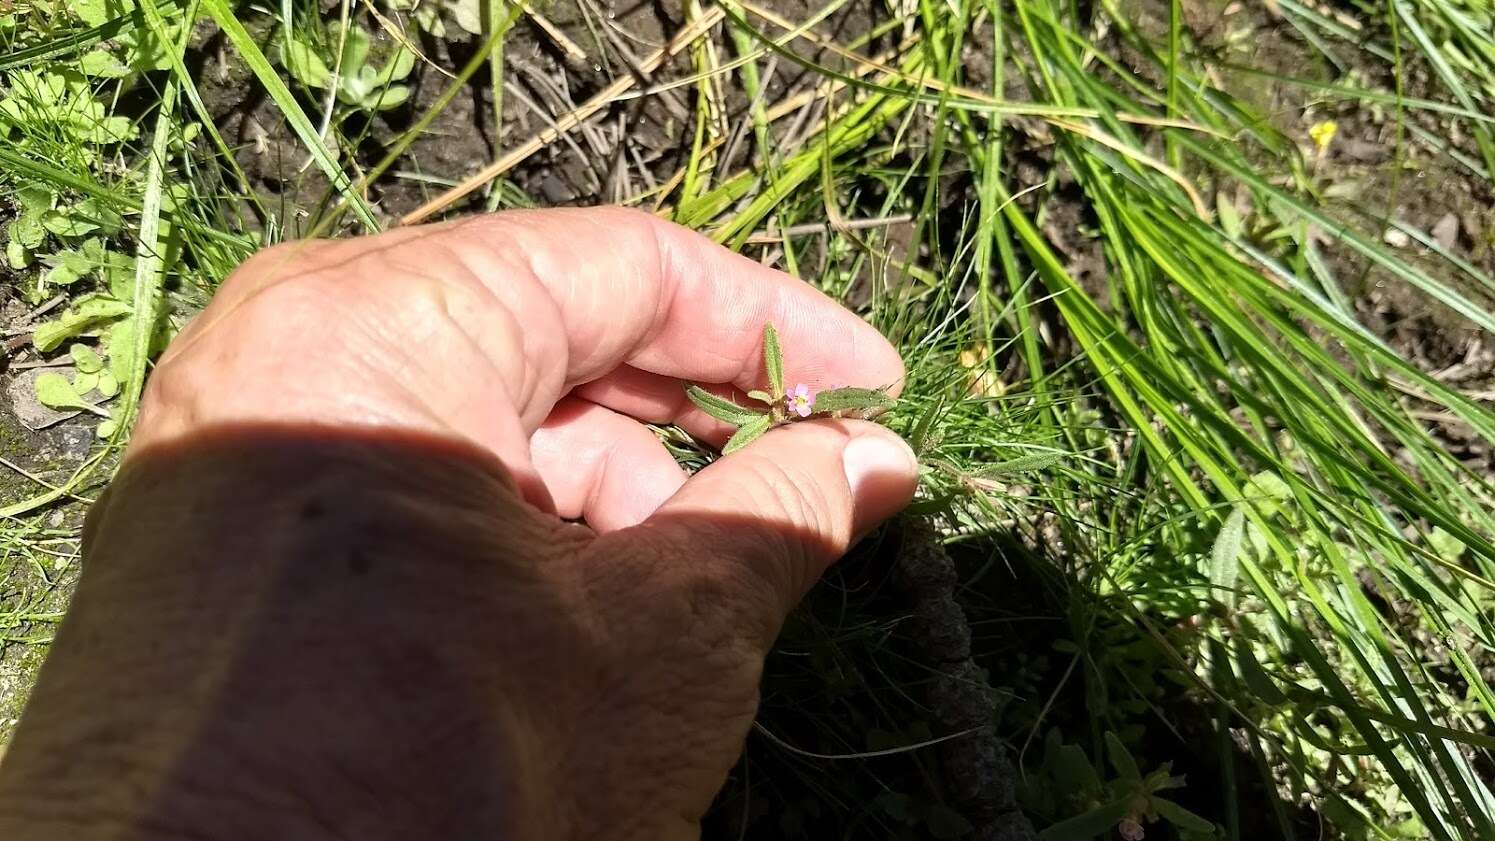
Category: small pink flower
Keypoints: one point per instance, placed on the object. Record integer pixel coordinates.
(1130, 830)
(800, 400)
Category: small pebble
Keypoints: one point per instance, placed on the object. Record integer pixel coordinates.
(1446, 231)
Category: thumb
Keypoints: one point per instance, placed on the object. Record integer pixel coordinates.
(777, 512)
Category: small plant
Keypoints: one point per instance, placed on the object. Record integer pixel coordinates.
(1125, 805)
(74, 246)
(467, 14)
(133, 51)
(785, 406)
(357, 84)
(61, 103)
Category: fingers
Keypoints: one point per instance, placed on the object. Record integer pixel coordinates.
(774, 514)
(601, 466)
(477, 328)
(655, 398)
(631, 289)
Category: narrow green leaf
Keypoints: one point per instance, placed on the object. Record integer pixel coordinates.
(919, 437)
(864, 402)
(1311, 735)
(1088, 824)
(1073, 770)
(77, 319)
(149, 263)
(719, 407)
(747, 433)
(1225, 558)
(1181, 817)
(1121, 758)
(773, 361)
(1022, 464)
(222, 13)
(1255, 677)
(761, 397)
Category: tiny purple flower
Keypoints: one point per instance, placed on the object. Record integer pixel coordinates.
(1130, 829)
(800, 400)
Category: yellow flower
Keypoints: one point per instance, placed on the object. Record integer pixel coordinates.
(1323, 134)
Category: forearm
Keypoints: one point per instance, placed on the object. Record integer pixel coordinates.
(266, 643)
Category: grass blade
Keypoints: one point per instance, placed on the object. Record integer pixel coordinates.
(223, 14)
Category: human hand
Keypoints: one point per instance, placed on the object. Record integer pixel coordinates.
(371, 440)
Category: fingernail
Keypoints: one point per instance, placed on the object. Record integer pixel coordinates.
(882, 472)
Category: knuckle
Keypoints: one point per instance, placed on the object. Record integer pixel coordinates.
(272, 265)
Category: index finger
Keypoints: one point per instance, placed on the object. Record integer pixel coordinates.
(630, 288)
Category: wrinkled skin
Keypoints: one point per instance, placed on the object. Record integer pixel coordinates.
(338, 589)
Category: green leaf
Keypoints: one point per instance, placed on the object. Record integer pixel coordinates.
(1310, 734)
(121, 344)
(468, 15)
(81, 219)
(773, 361)
(84, 383)
(66, 223)
(119, 273)
(1225, 558)
(223, 13)
(1181, 817)
(111, 130)
(108, 384)
(34, 199)
(355, 52)
(54, 391)
(919, 438)
(1267, 491)
(1230, 218)
(761, 396)
(100, 63)
(895, 805)
(304, 64)
(389, 98)
(1255, 677)
(398, 67)
(16, 255)
(748, 433)
(1073, 772)
(1088, 824)
(77, 319)
(28, 231)
(860, 402)
(67, 267)
(720, 407)
(1445, 545)
(1121, 759)
(946, 823)
(96, 12)
(1022, 464)
(106, 428)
